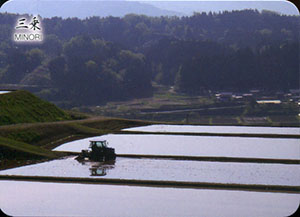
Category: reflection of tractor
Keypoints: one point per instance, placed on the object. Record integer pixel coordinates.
(102, 168)
(98, 151)
(98, 171)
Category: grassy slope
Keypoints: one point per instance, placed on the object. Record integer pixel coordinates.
(35, 140)
(11, 148)
(24, 107)
(50, 134)
(31, 127)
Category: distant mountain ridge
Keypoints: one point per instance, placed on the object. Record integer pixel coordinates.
(189, 7)
(83, 9)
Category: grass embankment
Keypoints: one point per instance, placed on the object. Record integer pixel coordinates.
(35, 140)
(9, 144)
(31, 127)
(16, 144)
(15, 153)
(23, 107)
(49, 135)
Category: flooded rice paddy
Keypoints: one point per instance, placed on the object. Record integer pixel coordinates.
(72, 199)
(217, 129)
(59, 199)
(274, 148)
(167, 170)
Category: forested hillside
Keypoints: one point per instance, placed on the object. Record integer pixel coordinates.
(97, 60)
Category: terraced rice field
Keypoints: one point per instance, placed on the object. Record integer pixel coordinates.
(140, 179)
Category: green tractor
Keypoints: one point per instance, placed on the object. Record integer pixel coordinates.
(98, 151)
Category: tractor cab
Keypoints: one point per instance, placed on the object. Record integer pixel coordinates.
(98, 144)
(98, 151)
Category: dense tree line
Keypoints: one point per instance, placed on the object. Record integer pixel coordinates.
(103, 59)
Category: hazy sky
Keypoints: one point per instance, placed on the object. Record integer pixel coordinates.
(179, 6)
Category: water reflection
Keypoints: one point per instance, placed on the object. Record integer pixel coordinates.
(99, 168)
(98, 171)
